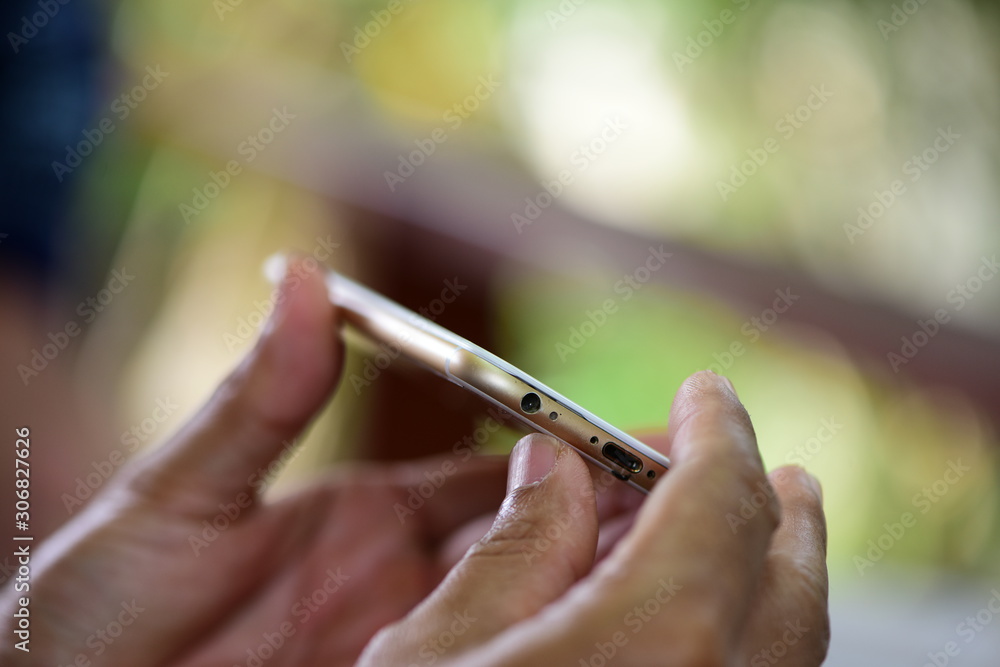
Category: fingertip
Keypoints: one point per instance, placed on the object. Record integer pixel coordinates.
(803, 518)
(707, 405)
(532, 460)
(302, 303)
(543, 466)
(299, 353)
(796, 479)
(710, 380)
(702, 387)
(729, 385)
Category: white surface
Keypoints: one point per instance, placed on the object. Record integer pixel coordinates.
(897, 619)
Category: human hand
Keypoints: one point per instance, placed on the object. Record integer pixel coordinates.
(180, 562)
(697, 579)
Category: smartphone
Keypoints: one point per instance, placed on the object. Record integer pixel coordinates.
(383, 321)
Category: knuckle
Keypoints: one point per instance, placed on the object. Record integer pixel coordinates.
(507, 539)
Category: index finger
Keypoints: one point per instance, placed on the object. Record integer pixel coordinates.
(695, 526)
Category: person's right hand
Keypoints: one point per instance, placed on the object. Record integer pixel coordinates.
(707, 575)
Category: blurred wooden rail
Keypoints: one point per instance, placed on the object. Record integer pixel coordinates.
(453, 216)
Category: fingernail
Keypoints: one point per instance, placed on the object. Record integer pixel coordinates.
(275, 267)
(531, 461)
(279, 271)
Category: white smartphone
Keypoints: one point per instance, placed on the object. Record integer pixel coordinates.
(383, 321)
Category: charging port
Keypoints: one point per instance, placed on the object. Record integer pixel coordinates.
(613, 452)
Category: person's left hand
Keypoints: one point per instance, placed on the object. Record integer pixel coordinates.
(179, 561)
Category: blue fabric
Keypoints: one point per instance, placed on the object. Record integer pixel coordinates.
(49, 62)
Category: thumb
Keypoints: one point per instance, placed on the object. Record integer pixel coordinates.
(543, 540)
(253, 418)
(544, 537)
